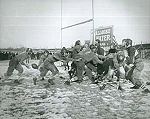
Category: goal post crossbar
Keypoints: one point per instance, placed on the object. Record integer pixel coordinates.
(77, 24)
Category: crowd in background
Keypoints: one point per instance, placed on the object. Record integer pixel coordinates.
(7, 55)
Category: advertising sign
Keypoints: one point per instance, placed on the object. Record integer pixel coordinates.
(105, 35)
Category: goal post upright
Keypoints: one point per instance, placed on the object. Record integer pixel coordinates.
(61, 26)
(93, 38)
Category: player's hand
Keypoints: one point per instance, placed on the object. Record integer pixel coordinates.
(28, 66)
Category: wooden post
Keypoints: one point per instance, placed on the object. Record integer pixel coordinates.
(61, 27)
(93, 40)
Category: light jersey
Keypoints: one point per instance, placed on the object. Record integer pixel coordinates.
(125, 53)
(23, 56)
(42, 59)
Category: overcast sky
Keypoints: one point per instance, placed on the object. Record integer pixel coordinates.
(36, 23)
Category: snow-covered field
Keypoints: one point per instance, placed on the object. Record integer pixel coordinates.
(60, 101)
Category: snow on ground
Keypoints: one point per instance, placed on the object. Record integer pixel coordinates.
(60, 101)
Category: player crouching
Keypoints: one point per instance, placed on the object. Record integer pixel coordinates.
(48, 65)
(17, 62)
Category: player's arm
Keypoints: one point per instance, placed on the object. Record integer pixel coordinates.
(22, 62)
(41, 60)
(101, 56)
(116, 64)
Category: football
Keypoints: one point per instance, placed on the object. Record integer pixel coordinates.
(34, 66)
